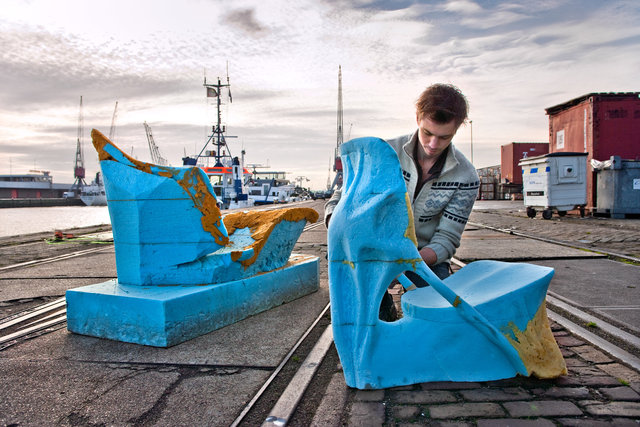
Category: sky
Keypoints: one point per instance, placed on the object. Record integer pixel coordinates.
(512, 59)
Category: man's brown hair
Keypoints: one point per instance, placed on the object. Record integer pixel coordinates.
(443, 103)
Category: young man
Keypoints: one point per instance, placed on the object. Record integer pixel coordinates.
(442, 184)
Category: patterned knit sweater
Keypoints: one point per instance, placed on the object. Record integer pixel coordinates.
(442, 207)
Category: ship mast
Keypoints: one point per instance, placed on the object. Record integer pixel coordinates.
(218, 137)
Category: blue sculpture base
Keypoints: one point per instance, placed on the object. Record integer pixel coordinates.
(163, 316)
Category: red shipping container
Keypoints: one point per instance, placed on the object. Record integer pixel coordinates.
(600, 124)
(510, 155)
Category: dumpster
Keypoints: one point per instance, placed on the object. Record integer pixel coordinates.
(554, 181)
(618, 188)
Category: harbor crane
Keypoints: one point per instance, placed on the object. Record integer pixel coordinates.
(112, 130)
(156, 157)
(337, 164)
(78, 169)
(301, 179)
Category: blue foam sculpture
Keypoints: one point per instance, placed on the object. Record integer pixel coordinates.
(487, 321)
(183, 268)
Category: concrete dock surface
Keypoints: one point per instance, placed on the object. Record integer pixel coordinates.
(59, 378)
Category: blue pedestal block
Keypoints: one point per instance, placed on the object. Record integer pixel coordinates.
(163, 316)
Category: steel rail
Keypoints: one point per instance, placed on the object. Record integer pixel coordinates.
(275, 373)
(29, 314)
(54, 258)
(37, 327)
(606, 346)
(314, 225)
(286, 405)
(60, 312)
(556, 301)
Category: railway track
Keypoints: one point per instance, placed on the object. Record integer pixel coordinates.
(51, 316)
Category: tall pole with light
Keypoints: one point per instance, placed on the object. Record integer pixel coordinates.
(471, 125)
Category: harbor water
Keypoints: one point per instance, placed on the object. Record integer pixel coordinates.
(17, 221)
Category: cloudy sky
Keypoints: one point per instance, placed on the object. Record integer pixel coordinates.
(511, 58)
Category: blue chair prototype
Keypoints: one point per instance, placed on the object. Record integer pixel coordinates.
(168, 229)
(487, 321)
(183, 268)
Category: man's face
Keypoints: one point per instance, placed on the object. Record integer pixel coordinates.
(435, 137)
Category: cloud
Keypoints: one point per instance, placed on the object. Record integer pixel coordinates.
(41, 68)
(464, 7)
(245, 20)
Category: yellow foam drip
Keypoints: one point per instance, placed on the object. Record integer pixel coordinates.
(100, 142)
(412, 261)
(203, 200)
(262, 223)
(410, 232)
(537, 347)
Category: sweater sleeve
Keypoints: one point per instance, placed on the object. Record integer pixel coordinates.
(455, 215)
(331, 205)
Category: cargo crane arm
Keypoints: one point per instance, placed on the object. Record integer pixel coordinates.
(156, 157)
(112, 130)
(78, 168)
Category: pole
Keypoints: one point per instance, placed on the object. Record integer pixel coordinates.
(471, 124)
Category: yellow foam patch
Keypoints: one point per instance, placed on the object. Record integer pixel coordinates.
(537, 346)
(262, 223)
(349, 263)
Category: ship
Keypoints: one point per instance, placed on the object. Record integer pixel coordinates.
(31, 186)
(234, 185)
(94, 194)
(269, 187)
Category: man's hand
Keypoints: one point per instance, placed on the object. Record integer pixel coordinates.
(428, 255)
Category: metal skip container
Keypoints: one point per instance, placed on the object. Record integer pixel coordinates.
(618, 188)
(554, 181)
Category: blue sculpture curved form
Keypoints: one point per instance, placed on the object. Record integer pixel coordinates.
(168, 229)
(183, 268)
(486, 322)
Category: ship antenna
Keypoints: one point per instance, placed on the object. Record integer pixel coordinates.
(218, 137)
(229, 83)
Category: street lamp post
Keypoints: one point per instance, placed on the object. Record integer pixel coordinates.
(471, 125)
